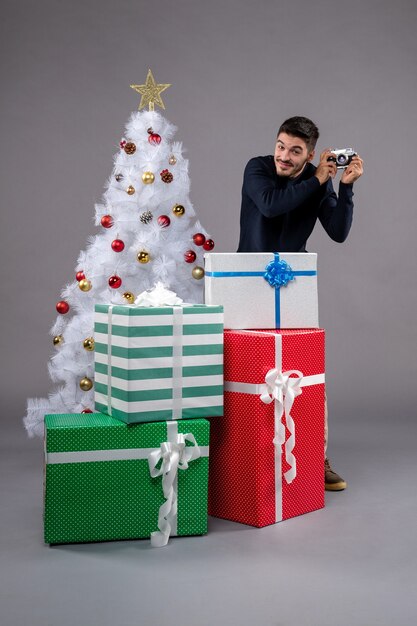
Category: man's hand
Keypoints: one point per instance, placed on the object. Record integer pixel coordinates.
(326, 169)
(353, 171)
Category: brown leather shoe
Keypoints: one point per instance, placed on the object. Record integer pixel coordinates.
(332, 481)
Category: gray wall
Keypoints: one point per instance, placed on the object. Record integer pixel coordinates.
(238, 68)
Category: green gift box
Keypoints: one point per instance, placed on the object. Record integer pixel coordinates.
(158, 363)
(105, 480)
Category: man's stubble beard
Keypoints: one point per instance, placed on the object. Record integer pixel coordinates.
(293, 174)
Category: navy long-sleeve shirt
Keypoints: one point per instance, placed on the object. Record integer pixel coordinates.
(278, 214)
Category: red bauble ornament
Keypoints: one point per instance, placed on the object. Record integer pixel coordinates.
(80, 275)
(164, 221)
(115, 281)
(199, 239)
(154, 139)
(62, 307)
(208, 244)
(86, 411)
(107, 221)
(118, 245)
(190, 256)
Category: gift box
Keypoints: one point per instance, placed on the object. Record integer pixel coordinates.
(158, 363)
(267, 453)
(263, 290)
(105, 480)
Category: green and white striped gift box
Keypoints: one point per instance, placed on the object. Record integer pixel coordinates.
(158, 363)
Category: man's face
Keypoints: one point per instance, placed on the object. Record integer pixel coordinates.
(291, 155)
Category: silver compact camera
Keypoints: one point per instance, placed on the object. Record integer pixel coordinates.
(342, 158)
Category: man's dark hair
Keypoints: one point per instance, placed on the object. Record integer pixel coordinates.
(301, 127)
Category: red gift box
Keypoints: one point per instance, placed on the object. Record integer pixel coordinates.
(267, 453)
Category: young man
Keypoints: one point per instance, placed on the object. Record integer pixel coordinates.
(284, 195)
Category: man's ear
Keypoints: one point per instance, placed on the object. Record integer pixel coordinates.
(311, 155)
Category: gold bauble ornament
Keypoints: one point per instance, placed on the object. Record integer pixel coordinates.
(178, 210)
(198, 272)
(58, 340)
(86, 384)
(89, 344)
(128, 295)
(148, 178)
(172, 160)
(85, 284)
(143, 256)
(130, 190)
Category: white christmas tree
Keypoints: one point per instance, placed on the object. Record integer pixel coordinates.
(148, 234)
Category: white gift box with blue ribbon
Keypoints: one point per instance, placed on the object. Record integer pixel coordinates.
(263, 290)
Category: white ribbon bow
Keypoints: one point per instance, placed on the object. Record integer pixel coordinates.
(283, 389)
(158, 296)
(174, 455)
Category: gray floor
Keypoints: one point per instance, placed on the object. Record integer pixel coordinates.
(353, 563)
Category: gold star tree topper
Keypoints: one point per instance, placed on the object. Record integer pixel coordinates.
(150, 92)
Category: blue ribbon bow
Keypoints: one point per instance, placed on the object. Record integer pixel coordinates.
(278, 273)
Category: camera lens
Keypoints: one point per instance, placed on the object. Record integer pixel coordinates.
(341, 159)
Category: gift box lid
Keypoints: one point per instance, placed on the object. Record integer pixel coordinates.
(134, 310)
(250, 354)
(92, 431)
(256, 261)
